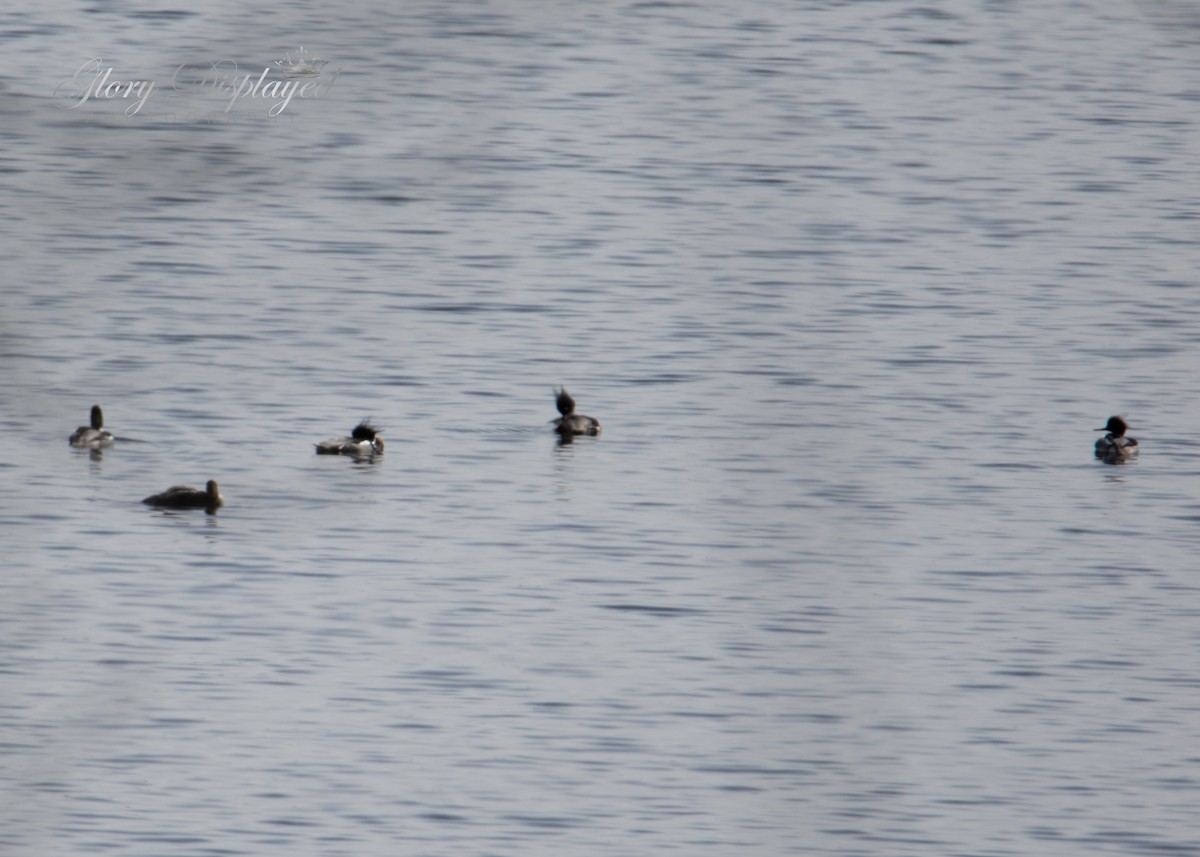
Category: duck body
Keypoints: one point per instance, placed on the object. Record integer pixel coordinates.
(364, 442)
(571, 423)
(577, 424)
(1115, 446)
(92, 436)
(187, 497)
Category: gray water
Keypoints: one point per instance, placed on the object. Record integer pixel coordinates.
(848, 286)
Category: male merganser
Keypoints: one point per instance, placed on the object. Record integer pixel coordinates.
(364, 441)
(186, 497)
(92, 436)
(1115, 447)
(571, 423)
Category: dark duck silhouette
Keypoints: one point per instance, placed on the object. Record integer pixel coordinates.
(1115, 446)
(571, 423)
(187, 497)
(364, 441)
(93, 436)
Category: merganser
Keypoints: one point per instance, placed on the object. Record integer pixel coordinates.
(571, 423)
(93, 436)
(364, 441)
(1115, 447)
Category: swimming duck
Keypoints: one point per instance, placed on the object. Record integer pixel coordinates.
(92, 436)
(571, 423)
(186, 497)
(1115, 446)
(364, 441)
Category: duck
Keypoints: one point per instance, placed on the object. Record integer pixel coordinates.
(187, 497)
(93, 436)
(1115, 446)
(364, 441)
(571, 423)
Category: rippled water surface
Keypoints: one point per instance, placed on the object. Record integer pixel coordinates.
(848, 286)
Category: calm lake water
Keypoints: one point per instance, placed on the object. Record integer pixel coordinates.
(848, 285)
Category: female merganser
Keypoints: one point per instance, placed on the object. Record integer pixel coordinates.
(92, 436)
(186, 497)
(1115, 446)
(364, 441)
(571, 423)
